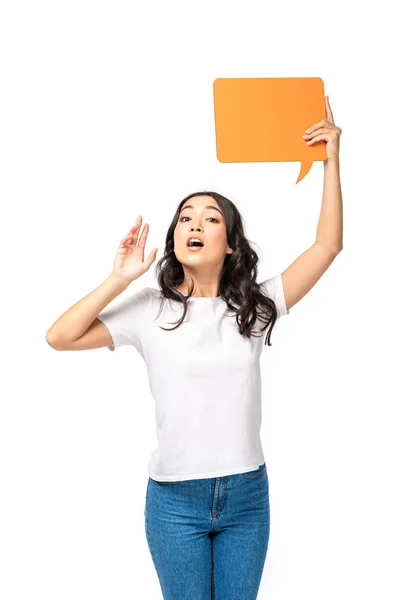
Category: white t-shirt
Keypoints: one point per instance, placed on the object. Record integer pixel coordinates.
(204, 377)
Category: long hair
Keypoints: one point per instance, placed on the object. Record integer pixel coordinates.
(237, 283)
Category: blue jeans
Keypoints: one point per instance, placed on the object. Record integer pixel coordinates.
(208, 538)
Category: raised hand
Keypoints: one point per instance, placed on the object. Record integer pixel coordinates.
(327, 131)
(129, 262)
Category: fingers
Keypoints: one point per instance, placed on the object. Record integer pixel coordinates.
(126, 239)
(316, 132)
(317, 139)
(152, 254)
(132, 235)
(150, 259)
(323, 133)
(323, 123)
(329, 113)
(143, 236)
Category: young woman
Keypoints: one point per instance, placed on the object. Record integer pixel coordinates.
(201, 334)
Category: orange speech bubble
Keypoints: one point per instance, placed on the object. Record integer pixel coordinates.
(263, 119)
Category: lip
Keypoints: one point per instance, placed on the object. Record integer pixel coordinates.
(194, 248)
(199, 237)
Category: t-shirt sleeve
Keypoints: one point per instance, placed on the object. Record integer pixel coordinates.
(274, 289)
(125, 319)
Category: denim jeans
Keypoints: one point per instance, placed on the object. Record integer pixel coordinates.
(208, 538)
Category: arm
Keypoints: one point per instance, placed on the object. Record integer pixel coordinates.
(330, 224)
(78, 328)
(308, 268)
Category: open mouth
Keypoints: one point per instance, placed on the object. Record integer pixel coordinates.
(195, 244)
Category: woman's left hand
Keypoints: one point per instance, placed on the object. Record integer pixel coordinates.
(325, 130)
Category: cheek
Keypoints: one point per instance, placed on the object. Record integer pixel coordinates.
(219, 239)
(178, 231)
(176, 235)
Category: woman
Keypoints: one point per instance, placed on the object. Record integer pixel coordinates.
(201, 334)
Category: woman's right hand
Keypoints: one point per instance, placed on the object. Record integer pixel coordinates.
(129, 263)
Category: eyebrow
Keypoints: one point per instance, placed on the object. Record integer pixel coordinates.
(208, 206)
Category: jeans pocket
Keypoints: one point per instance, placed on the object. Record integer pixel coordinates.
(260, 472)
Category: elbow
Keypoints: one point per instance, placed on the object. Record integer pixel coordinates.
(335, 250)
(52, 341)
(331, 247)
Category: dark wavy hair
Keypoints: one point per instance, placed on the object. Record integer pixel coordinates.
(237, 283)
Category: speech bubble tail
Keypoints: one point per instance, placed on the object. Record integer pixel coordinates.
(305, 167)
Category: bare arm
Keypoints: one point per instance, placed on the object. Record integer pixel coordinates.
(308, 268)
(78, 328)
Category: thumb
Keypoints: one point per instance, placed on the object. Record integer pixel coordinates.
(151, 257)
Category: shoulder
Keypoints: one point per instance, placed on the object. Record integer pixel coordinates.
(273, 287)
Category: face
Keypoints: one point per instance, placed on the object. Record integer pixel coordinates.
(201, 216)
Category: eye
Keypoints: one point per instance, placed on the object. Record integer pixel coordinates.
(216, 220)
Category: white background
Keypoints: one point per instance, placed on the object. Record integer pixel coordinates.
(107, 112)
